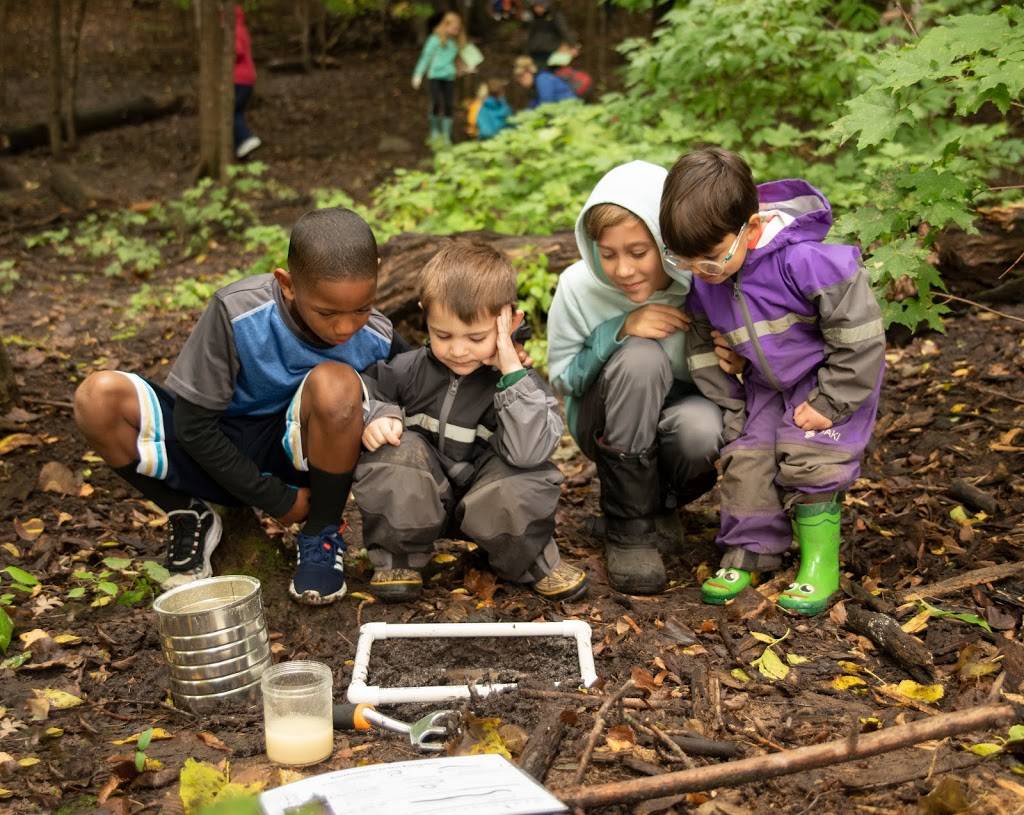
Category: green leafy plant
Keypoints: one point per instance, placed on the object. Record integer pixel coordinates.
(535, 286)
(137, 585)
(9, 276)
(145, 737)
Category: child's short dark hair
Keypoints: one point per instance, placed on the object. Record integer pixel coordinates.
(468, 278)
(331, 244)
(708, 194)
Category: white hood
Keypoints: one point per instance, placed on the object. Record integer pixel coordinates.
(585, 298)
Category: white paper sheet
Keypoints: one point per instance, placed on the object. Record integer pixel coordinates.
(460, 785)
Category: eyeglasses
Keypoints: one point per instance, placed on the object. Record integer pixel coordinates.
(708, 268)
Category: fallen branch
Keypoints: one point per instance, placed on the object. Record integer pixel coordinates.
(542, 746)
(595, 731)
(788, 762)
(908, 652)
(967, 580)
(974, 497)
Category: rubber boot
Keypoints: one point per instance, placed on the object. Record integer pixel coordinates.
(435, 129)
(446, 130)
(630, 499)
(816, 528)
(724, 585)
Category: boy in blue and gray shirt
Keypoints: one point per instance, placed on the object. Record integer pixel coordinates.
(263, 406)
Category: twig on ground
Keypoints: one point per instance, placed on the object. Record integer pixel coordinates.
(964, 300)
(35, 400)
(907, 651)
(597, 701)
(967, 580)
(787, 762)
(595, 731)
(658, 735)
(994, 392)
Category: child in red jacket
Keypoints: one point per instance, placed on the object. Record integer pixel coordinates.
(245, 77)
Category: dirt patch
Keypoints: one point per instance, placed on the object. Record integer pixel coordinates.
(407, 663)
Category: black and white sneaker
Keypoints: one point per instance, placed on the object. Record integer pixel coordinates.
(193, 534)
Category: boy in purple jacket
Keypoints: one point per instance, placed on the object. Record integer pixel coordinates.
(803, 315)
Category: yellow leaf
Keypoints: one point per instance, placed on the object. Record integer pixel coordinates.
(99, 602)
(771, 666)
(765, 638)
(13, 550)
(358, 595)
(30, 530)
(850, 667)
(796, 659)
(739, 674)
(929, 694)
(28, 761)
(958, 514)
(67, 639)
(63, 518)
(459, 590)
(85, 491)
(5, 793)
(985, 749)
(158, 734)
(442, 558)
(847, 682)
(960, 407)
(16, 440)
(54, 732)
(917, 623)
(91, 458)
(152, 764)
(32, 636)
(58, 699)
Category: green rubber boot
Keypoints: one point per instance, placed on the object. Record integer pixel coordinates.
(435, 129)
(446, 130)
(724, 585)
(816, 527)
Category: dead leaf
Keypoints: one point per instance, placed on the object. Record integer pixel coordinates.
(211, 740)
(58, 699)
(482, 584)
(30, 530)
(56, 477)
(619, 738)
(38, 707)
(16, 440)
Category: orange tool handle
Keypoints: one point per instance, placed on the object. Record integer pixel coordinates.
(350, 717)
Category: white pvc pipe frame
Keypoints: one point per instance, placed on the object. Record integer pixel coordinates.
(359, 692)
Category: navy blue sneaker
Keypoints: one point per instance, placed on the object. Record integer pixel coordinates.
(319, 576)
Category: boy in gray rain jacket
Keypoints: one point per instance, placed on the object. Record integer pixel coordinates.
(458, 436)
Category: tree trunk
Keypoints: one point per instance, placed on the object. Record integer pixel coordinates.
(321, 29)
(8, 388)
(56, 81)
(75, 24)
(302, 14)
(216, 96)
(5, 49)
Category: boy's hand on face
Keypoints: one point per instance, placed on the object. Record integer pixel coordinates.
(654, 322)
(728, 360)
(807, 418)
(386, 430)
(506, 358)
(300, 509)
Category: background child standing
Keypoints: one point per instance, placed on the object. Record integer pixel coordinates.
(438, 63)
(803, 315)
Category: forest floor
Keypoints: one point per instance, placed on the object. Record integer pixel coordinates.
(953, 408)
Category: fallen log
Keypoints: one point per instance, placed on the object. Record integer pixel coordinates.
(967, 580)
(787, 762)
(404, 255)
(908, 652)
(134, 111)
(975, 262)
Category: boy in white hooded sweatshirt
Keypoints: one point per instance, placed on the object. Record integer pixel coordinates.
(616, 352)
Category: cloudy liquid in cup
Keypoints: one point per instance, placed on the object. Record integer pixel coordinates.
(297, 739)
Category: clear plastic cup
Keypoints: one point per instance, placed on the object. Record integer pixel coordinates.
(298, 717)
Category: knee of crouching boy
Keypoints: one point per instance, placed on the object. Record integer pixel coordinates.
(333, 391)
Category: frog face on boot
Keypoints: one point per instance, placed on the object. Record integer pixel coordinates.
(724, 585)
